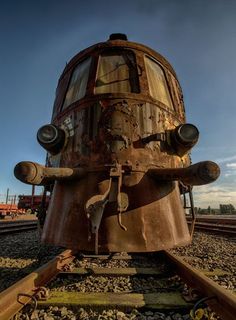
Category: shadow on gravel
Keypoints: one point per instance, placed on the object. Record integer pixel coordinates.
(10, 275)
(20, 254)
(25, 245)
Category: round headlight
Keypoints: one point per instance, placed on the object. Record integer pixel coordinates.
(47, 134)
(51, 138)
(187, 134)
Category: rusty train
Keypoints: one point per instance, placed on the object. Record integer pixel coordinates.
(118, 153)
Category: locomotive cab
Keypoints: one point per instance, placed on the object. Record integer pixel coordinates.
(118, 149)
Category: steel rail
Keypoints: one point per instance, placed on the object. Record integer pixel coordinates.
(231, 222)
(224, 302)
(11, 300)
(220, 228)
(226, 220)
(225, 229)
(17, 226)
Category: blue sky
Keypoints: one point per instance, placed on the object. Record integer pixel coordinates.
(198, 38)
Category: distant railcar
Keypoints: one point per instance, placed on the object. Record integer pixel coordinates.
(31, 203)
(118, 152)
(7, 209)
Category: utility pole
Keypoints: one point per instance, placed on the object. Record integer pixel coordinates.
(7, 195)
(32, 196)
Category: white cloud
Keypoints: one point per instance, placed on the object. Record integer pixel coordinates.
(223, 160)
(228, 174)
(231, 170)
(231, 165)
(214, 195)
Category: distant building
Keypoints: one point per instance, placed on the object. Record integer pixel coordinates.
(227, 209)
(205, 211)
(223, 209)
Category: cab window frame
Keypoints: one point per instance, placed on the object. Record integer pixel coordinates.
(86, 86)
(135, 87)
(166, 83)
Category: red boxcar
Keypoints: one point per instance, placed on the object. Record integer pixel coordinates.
(32, 203)
(7, 209)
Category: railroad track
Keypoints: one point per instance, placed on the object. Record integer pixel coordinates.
(161, 288)
(219, 228)
(8, 227)
(221, 225)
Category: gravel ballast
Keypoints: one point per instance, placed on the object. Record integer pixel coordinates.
(212, 252)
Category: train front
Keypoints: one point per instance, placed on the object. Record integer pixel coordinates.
(117, 153)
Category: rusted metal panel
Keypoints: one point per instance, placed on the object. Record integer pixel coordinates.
(114, 126)
(154, 220)
(103, 133)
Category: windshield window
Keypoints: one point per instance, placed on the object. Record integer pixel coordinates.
(78, 83)
(158, 88)
(117, 73)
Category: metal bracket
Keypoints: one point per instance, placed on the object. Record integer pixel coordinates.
(95, 206)
(42, 294)
(188, 189)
